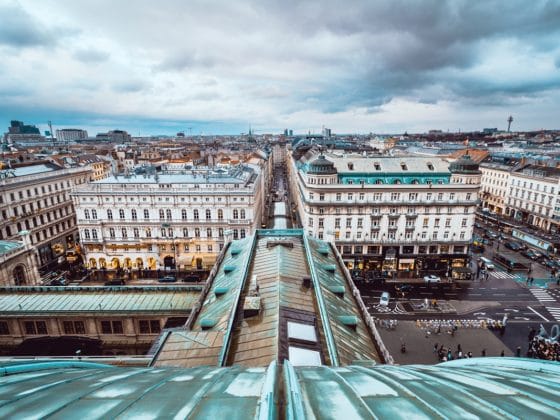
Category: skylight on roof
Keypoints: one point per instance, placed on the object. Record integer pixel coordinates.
(302, 332)
(303, 357)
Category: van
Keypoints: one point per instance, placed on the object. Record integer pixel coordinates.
(384, 299)
(488, 264)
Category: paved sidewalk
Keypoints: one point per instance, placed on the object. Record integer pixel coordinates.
(420, 347)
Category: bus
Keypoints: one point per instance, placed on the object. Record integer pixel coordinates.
(509, 263)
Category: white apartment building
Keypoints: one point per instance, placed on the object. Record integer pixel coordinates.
(407, 214)
(532, 196)
(36, 198)
(167, 221)
(494, 186)
(71, 134)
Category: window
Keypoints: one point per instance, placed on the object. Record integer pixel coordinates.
(235, 234)
(146, 214)
(148, 233)
(161, 214)
(395, 196)
(195, 214)
(440, 196)
(236, 214)
(337, 223)
(242, 233)
(425, 222)
(109, 215)
(208, 232)
(220, 214)
(321, 197)
(185, 233)
(168, 214)
(360, 222)
(184, 214)
(197, 232)
(35, 327)
(4, 328)
(220, 232)
(86, 234)
(93, 212)
(134, 214)
(111, 327)
(321, 222)
(448, 222)
(121, 213)
(136, 233)
(74, 327)
(338, 196)
(208, 214)
(242, 214)
(464, 223)
(350, 196)
(86, 213)
(94, 233)
(112, 233)
(362, 196)
(348, 222)
(310, 222)
(149, 326)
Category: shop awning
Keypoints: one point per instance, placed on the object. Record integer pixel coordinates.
(209, 259)
(406, 260)
(185, 259)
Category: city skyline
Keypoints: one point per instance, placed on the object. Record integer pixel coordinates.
(221, 68)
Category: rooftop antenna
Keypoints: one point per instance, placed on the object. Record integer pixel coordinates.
(509, 120)
(50, 130)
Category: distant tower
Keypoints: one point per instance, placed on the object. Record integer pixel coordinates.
(50, 128)
(509, 120)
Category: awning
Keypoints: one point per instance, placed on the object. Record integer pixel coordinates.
(185, 259)
(406, 261)
(209, 259)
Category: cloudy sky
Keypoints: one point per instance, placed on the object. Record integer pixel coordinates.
(213, 67)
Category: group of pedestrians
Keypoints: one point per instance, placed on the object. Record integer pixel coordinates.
(542, 348)
(446, 354)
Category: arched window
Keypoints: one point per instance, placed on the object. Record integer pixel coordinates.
(86, 233)
(163, 233)
(111, 232)
(208, 214)
(148, 233)
(136, 233)
(185, 233)
(236, 214)
(197, 232)
(208, 232)
(242, 214)
(109, 214)
(220, 214)
(94, 233)
(124, 233)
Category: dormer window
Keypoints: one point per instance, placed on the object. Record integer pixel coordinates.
(350, 166)
(430, 166)
(377, 166)
(404, 167)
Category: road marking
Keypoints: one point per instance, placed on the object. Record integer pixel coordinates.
(542, 295)
(555, 312)
(535, 312)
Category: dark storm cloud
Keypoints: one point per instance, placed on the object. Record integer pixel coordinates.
(19, 29)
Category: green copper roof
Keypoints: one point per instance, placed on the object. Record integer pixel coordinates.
(486, 388)
(7, 246)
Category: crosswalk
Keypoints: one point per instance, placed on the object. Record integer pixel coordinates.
(555, 312)
(504, 275)
(542, 295)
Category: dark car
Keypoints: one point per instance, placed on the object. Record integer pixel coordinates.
(514, 246)
(115, 282)
(192, 279)
(549, 263)
(403, 288)
(529, 254)
(167, 279)
(492, 235)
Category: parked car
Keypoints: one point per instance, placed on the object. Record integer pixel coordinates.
(432, 278)
(492, 235)
(167, 279)
(115, 282)
(487, 263)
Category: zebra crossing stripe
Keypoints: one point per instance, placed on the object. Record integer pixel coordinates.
(555, 312)
(542, 295)
(504, 275)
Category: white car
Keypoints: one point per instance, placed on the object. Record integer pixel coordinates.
(384, 299)
(432, 279)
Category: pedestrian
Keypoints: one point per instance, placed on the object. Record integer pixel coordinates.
(483, 352)
(518, 351)
(469, 354)
(436, 347)
(502, 354)
(486, 275)
(459, 349)
(449, 355)
(532, 280)
(532, 334)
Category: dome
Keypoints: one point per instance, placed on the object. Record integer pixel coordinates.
(321, 166)
(465, 165)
